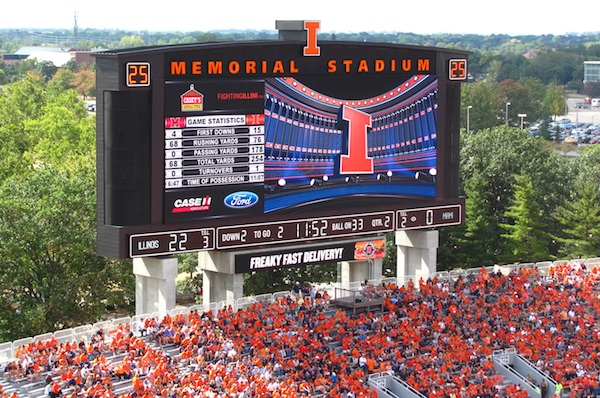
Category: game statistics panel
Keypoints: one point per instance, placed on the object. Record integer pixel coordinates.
(213, 156)
(219, 146)
(213, 149)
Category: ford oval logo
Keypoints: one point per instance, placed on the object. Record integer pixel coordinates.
(241, 200)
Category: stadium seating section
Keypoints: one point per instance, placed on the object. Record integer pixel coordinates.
(436, 334)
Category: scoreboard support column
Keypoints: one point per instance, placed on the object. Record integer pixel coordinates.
(219, 281)
(417, 253)
(155, 285)
(359, 271)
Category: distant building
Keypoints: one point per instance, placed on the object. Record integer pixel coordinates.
(59, 56)
(82, 55)
(591, 72)
(11, 59)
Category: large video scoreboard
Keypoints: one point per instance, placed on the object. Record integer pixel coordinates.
(218, 146)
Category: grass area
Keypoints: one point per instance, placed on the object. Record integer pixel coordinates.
(564, 148)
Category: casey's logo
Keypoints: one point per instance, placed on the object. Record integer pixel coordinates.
(192, 100)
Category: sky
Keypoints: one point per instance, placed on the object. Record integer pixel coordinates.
(510, 17)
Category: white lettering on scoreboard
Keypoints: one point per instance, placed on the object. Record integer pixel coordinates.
(214, 150)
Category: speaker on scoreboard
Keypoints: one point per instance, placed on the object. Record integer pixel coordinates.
(127, 138)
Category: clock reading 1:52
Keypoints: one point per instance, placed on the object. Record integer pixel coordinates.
(138, 74)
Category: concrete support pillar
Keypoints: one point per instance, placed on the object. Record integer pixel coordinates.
(417, 253)
(155, 286)
(219, 280)
(218, 287)
(376, 271)
(358, 271)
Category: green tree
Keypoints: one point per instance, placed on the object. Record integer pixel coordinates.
(190, 280)
(498, 155)
(131, 42)
(72, 66)
(63, 80)
(50, 278)
(19, 102)
(512, 66)
(46, 69)
(84, 44)
(481, 96)
(391, 255)
(283, 279)
(27, 66)
(64, 134)
(587, 167)
(592, 89)
(85, 83)
(554, 101)
(501, 153)
(527, 236)
(525, 97)
(480, 230)
(23, 100)
(580, 219)
(556, 66)
(11, 71)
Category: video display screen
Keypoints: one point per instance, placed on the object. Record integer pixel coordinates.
(280, 146)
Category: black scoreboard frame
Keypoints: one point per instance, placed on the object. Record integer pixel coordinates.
(137, 106)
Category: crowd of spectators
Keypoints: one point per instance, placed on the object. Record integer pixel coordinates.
(437, 335)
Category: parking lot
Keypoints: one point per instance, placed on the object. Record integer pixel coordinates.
(580, 126)
(581, 115)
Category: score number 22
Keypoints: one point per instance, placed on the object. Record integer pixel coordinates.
(178, 242)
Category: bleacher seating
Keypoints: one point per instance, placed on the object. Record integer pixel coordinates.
(435, 335)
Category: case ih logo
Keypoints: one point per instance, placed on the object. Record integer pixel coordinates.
(188, 205)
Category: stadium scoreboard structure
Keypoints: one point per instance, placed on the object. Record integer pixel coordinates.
(218, 146)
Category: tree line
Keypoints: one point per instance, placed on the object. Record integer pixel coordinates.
(552, 59)
(525, 202)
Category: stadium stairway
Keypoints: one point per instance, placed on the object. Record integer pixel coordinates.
(9, 388)
(516, 369)
(390, 386)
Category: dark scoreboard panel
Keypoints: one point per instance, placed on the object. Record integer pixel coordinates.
(220, 146)
(238, 236)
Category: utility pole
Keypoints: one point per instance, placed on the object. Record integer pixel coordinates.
(75, 27)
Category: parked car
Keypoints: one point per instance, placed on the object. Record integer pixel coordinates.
(594, 139)
(571, 139)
